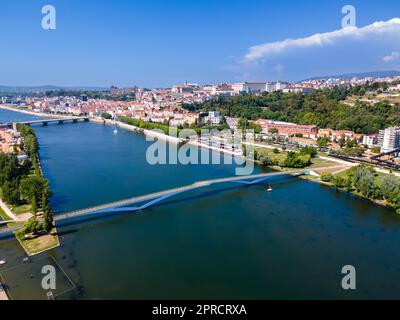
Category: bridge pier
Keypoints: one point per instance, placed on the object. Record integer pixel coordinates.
(60, 121)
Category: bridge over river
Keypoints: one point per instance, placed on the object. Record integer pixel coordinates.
(45, 122)
(145, 201)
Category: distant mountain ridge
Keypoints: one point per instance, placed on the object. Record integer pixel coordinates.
(349, 76)
(27, 89)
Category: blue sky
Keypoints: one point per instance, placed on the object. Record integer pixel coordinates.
(161, 43)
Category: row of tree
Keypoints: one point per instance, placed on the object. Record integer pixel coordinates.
(22, 182)
(365, 181)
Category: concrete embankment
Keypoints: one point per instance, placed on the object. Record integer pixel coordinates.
(33, 113)
(149, 133)
(146, 132)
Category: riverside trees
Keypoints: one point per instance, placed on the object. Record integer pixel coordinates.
(365, 181)
(22, 183)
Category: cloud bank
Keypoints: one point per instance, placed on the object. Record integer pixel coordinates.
(263, 51)
(393, 56)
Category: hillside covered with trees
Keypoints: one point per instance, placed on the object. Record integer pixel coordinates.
(324, 108)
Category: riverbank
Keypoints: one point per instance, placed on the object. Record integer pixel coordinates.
(35, 230)
(34, 113)
(159, 135)
(146, 132)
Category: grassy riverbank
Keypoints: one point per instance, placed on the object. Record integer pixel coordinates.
(39, 233)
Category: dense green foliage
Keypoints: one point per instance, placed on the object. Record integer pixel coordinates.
(106, 115)
(19, 185)
(365, 181)
(296, 160)
(145, 125)
(324, 108)
(244, 124)
(166, 128)
(300, 159)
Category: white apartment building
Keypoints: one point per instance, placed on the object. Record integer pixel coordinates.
(370, 140)
(258, 87)
(212, 117)
(389, 139)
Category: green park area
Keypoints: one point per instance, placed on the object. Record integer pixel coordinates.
(26, 193)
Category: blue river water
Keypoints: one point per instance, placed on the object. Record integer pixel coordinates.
(225, 242)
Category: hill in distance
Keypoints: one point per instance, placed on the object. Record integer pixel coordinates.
(27, 89)
(349, 76)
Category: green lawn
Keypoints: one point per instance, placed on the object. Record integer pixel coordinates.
(3, 215)
(270, 154)
(378, 176)
(316, 162)
(25, 208)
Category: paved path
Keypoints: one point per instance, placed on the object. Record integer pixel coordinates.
(7, 210)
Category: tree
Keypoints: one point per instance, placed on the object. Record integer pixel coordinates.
(351, 143)
(309, 150)
(10, 192)
(339, 182)
(323, 141)
(388, 186)
(296, 160)
(34, 206)
(47, 213)
(106, 115)
(32, 188)
(327, 177)
(342, 141)
(364, 180)
(33, 226)
(273, 131)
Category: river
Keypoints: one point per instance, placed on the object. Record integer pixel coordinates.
(225, 242)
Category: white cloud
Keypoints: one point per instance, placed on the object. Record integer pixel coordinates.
(391, 57)
(262, 51)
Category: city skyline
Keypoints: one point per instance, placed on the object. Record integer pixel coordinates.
(159, 44)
